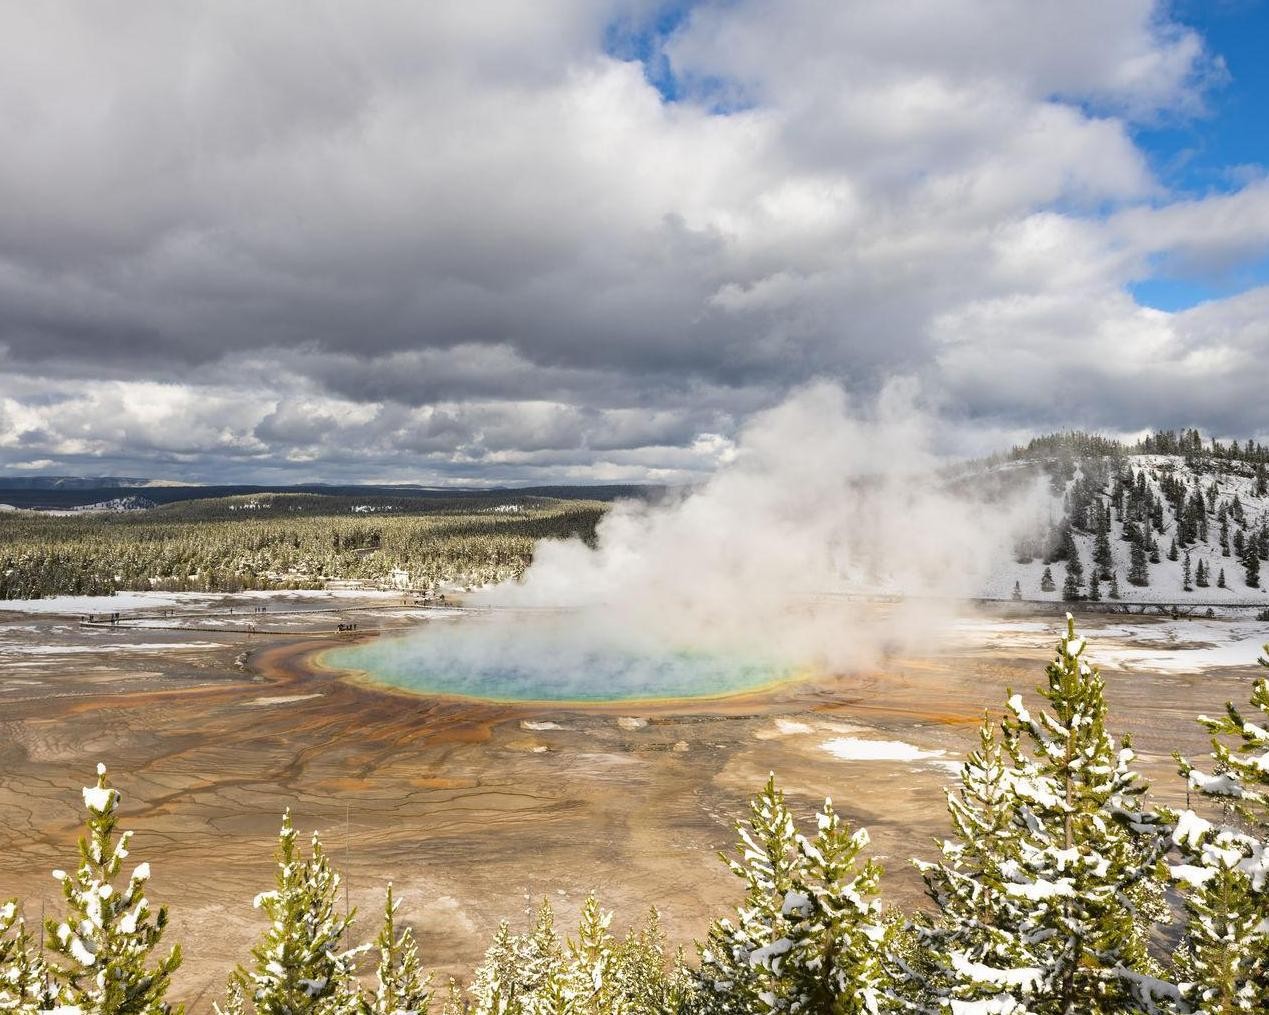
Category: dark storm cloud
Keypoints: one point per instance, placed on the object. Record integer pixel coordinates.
(243, 239)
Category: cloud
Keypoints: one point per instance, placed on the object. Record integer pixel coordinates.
(404, 240)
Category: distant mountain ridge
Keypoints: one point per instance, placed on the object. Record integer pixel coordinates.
(84, 483)
(69, 492)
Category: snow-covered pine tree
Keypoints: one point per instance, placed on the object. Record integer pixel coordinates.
(235, 1002)
(556, 995)
(25, 987)
(499, 997)
(1224, 963)
(1113, 591)
(592, 959)
(1086, 874)
(301, 967)
(539, 955)
(973, 949)
(1046, 581)
(454, 1003)
(641, 981)
(1220, 580)
(496, 981)
(401, 987)
(1185, 574)
(809, 936)
(108, 933)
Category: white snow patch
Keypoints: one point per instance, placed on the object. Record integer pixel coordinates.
(854, 749)
(140, 646)
(279, 699)
(786, 728)
(791, 726)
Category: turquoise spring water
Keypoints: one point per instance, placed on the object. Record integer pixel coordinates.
(536, 660)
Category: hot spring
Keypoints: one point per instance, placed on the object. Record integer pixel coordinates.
(556, 658)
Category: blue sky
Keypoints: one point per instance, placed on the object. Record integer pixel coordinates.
(1219, 151)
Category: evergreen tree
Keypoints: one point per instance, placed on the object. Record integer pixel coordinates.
(235, 1001)
(1224, 963)
(1185, 574)
(1079, 864)
(1046, 581)
(25, 987)
(1251, 567)
(498, 997)
(454, 1003)
(1138, 569)
(1094, 588)
(401, 986)
(1220, 580)
(1173, 553)
(971, 950)
(539, 956)
(556, 996)
(592, 960)
(809, 935)
(1017, 591)
(642, 984)
(108, 932)
(496, 981)
(1113, 592)
(1200, 576)
(300, 966)
(1071, 586)
(1103, 557)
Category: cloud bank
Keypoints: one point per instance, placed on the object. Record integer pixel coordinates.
(563, 241)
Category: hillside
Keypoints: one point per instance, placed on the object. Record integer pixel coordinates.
(1139, 517)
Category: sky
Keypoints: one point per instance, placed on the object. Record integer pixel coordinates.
(586, 240)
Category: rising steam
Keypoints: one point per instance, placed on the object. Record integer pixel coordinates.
(821, 503)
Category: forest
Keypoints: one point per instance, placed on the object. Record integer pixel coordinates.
(1060, 890)
(283, 541)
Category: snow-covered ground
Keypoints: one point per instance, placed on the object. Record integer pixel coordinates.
(124, 601)
(1173, 646)
(7, 650)
(1166, 577)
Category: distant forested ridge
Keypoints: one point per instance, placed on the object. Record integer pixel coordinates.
(1188, 443)
(284, 541)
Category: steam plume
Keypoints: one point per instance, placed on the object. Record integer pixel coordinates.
(821, 500)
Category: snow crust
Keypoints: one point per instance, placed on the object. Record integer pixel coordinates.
(855, 749)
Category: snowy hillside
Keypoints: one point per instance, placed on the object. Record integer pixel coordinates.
(1137, 520)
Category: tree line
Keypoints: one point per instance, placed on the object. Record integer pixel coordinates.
(1189, 443)
(1054, 894)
